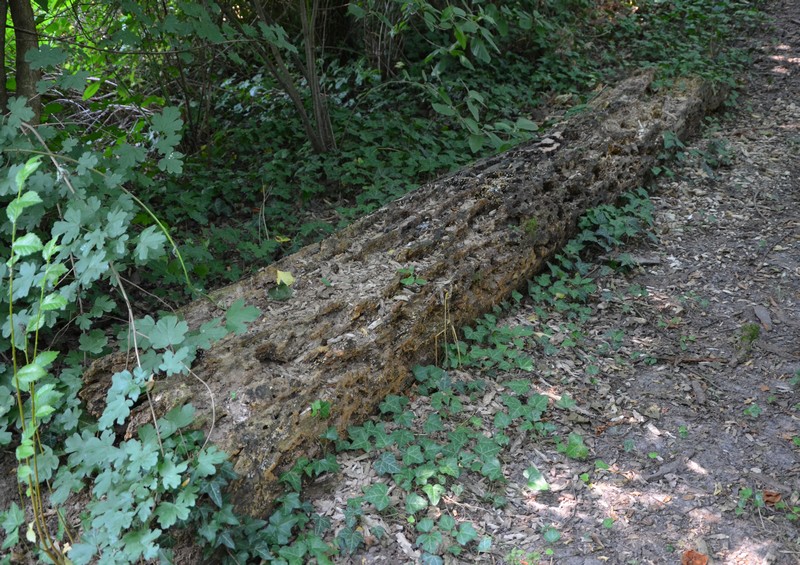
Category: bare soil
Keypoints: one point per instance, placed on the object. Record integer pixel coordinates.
(694, 401)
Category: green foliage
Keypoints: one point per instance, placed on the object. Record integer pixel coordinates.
(409, 278)
(753, 410)
(79, 195)
(74, 209)
(749, 334)
(491, 348)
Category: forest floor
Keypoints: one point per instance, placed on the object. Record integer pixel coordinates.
(684, 382)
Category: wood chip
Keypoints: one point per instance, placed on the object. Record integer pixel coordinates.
(763, 316)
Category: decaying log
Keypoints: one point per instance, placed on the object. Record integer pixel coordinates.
(471, 235)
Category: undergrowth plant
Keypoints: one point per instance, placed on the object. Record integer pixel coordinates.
(68, 240)
(91, 209)
(474, 79)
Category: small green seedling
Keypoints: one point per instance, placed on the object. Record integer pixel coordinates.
(321, 409)
(409, 278)
(754, 411)
(750, 333)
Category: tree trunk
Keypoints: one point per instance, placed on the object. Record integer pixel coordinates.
(319, 101)
(27, 40)
(351, 332)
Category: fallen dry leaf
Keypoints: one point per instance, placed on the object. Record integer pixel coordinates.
(692, 557)
(771, 497)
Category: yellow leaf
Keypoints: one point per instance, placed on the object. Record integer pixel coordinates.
(284, 277)
(30, 535)
(282, 239)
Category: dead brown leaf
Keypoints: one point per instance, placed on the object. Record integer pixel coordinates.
(771, 497)
(692, 557)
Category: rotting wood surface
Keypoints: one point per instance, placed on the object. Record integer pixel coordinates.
(355, 341)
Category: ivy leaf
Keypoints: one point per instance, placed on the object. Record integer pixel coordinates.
(566, 402)
(393, 404)
(280, 292)
(280, 526)
(551, 534)
(447, 523)
(413, 455)
(538, 404)
(405, 420)
(430, 542)
(294, 478)
(486, 448)
(429, 559)
(433, 424)
(536, 481)
(168, 331)
(386, 464)
(466, 533)
(377, 495)
(349, 540)
(449, 466)
(502, 420)
(294, 553)
(492, 469)
(520, 386)
(575, 447)
(214, 491)
(434, 493)
(326, 465)
(415, 503)
(239, 315)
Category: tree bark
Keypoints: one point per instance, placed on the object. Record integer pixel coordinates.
(351, 332)
(27, 40)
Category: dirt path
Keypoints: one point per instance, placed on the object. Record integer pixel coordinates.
(684, 378)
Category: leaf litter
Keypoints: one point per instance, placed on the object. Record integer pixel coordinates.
(680, 389)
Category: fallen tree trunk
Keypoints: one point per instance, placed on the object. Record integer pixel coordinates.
(353, 337)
